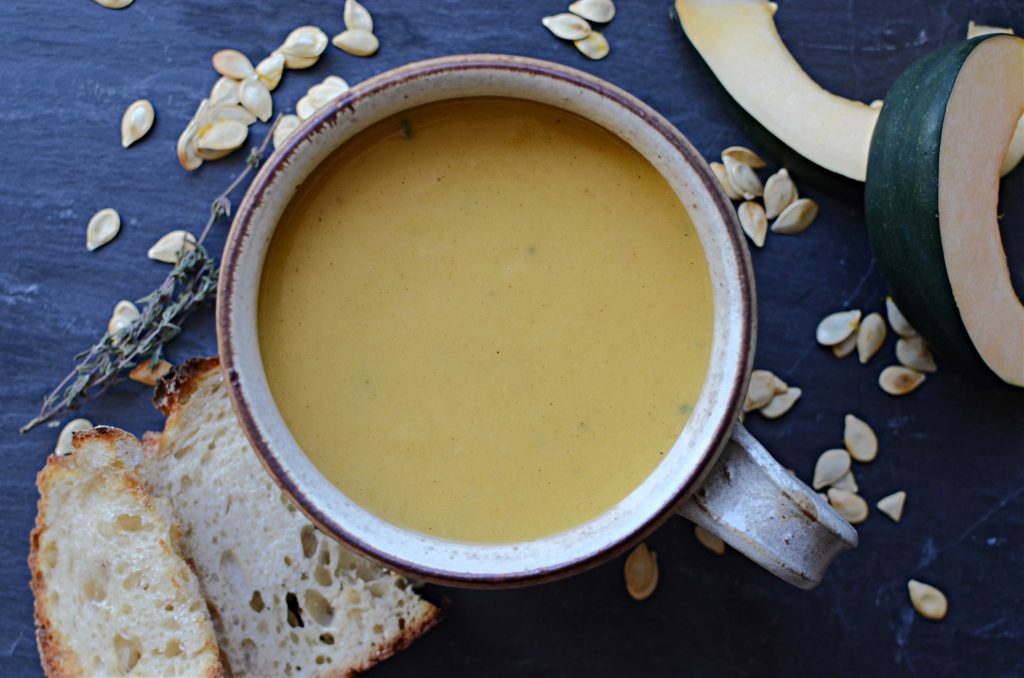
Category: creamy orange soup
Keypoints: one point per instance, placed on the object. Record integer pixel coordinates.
(486, 320)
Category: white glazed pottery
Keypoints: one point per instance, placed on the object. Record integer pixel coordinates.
(716, 474)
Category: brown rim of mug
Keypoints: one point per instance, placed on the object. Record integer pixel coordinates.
(538, 68)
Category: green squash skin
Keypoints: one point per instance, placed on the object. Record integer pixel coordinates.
(901, 199)
(802, 169)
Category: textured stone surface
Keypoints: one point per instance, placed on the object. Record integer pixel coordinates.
(954, 445)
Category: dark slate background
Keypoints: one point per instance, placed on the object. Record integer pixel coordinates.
(71, 67)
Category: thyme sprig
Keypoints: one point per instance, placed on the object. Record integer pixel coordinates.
(191, 283)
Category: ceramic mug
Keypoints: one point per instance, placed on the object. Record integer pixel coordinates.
(716, 473)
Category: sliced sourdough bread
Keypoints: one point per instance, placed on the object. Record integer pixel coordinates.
(286, 599)
(113, 596)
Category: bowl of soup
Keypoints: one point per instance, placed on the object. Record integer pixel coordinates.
(489, 321)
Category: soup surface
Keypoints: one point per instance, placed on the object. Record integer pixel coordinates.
(486, 320)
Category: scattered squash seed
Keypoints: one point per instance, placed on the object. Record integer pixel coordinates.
(325, 92)
(226, 135)
(845, 347)
(103, 227)
(166, 249)
(148, 374)
(974, 30)
(781, 403)
(753, 221)
(709, 541)
(742, 177)
(598, 11)
(914, 353)
(293, 62)
(64, 444)
(304, 108)
(718, 169)
(897, 320)
(356, 42)
(892, 505)
(136, 121)
(124, 314)
(224, 91)
(256, 99)
(187, 152)
(929, 602)
(357, 17)
(860, 439)
(236, 112)
(847, 482)
(760, 391)
(232, 64)
(870, 337)
(305, 42)
(898, 380)
(744, 155)
(641, 572)
(285, 126)
(779, 193)
(830, 467)
(594, 46)
(836, 327)
(850, 505)
(270, 70)
(114, 4)
(567, 26)
(796, 218)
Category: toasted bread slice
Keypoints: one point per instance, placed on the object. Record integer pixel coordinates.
(287, 599)
(113, 595)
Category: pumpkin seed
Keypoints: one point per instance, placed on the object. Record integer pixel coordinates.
(760, 391)
(102, 228)
(892, 505)
(148, 374)
(325, 92)
(232, 64)
(836, 327)
(743, 178)
(781, 403)
(974, 30)
(709, 541)
(256, 99)
(744, 155)
(929, 602)
(718, 169)
(797, 216)
(598, 11)
(293, 62)
(847, 482)
(860, 439)
(124, 314)
(780, 386)
(912, 352)
(285, 126)
(226, 135)
(870, 337)
(877, 103)
(594, 46)
(114, 4)
(215, 114)
(897, 320)
(136, 121)
(270, 70)
(830, 467)
(850, 505)
(773, 7)
(567, 26)
(896, 380)
(305, 42)
(641, 572)
(224, 91)
(64, 444)
(846, 346)
(305, 108)
(779, 193)
(753, 221)
(357, 17)
(166, 249)
(356, 43)
(187, 155)
(336, 82)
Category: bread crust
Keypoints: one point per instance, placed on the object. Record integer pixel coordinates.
(175, 387)
(56, 656)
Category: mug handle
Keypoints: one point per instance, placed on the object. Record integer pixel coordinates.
(757, 507)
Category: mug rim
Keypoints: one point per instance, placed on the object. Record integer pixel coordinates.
(738, 268)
